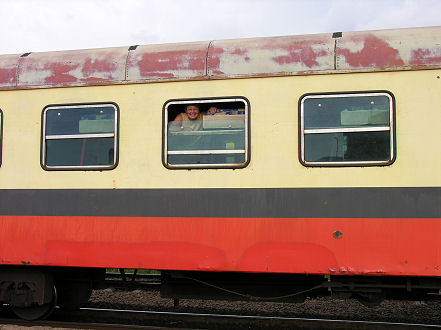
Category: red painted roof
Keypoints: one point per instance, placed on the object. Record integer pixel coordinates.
(387, 50)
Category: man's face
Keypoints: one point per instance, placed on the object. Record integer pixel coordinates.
(192, 112)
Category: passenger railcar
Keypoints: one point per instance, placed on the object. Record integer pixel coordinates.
(319, 173)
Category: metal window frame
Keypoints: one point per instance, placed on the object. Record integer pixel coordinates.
(390, 127)
(226, 99)
(72, 107)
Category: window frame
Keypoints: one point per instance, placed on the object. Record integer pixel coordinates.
(205, 100)
(391, 128)
(44, 138)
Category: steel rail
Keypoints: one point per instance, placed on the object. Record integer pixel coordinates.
(218, 321)
(305, 323)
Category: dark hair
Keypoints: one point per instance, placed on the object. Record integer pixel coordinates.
(194, 105)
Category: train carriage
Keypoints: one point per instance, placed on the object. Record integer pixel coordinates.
(318, 173)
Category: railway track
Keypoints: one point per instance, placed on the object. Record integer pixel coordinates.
(95, 318)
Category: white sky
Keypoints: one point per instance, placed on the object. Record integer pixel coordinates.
(46, 25)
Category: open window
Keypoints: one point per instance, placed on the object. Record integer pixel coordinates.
(216, 139)
(80, 137)
(353, 129)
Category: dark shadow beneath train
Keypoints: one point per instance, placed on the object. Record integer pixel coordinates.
(369, 290)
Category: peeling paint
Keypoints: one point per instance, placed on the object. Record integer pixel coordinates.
(386, 50)
(7, 76)
(60, 73)
(301, 53)
(270, 56)
(375, 52)
(399, 49)
(425, 56)
(94, 66)
(8, 71)
(72, 67)
(159, 62)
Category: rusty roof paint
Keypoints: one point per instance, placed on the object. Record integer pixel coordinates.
(399, 49)
(167, 62)
(385, 50)
(8, 71)
(72, 68)
(271, 56)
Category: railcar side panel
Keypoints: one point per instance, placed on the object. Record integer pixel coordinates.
(322, 159)
(274, 129)
(219, 225)
(273, 245)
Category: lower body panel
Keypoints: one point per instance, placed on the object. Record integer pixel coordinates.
(348, 246)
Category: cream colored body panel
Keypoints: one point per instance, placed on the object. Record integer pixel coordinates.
(274, 134)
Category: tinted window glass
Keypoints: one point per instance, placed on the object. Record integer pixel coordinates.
(347, 129)
(81, 120)
(80, 137)
(346, 112)
(340, 147)
(80, 152)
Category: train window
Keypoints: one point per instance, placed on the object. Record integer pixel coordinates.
(82, 137)
(353, 129)
(195, 137)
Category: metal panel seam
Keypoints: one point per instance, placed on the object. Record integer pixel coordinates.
(206, 58)
(17, 73)
(126, 74)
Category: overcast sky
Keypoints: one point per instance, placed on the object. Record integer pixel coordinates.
(47, 25)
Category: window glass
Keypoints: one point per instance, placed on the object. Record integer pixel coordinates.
(80, 120)
(206, 133)
(347, 129)
(80, 136)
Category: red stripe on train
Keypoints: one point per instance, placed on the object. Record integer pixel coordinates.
(283, 245)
